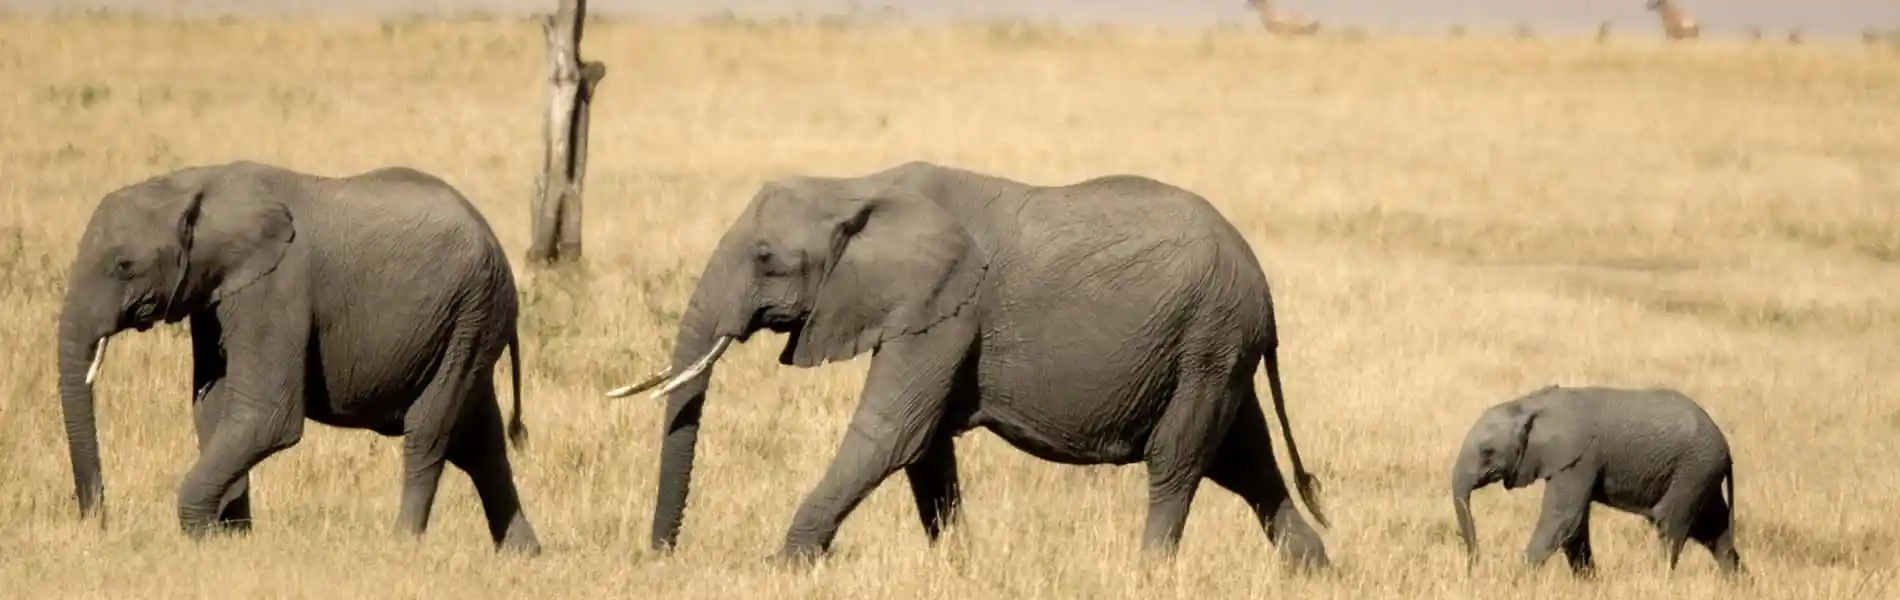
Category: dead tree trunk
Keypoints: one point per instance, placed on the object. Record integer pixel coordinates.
(556, 220)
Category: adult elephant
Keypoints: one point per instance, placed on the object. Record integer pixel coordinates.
(1111, 321)
(376, 301)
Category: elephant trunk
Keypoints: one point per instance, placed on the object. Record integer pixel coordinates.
(82, 345)
(719, 313)
(683, 407)
(1466, 478)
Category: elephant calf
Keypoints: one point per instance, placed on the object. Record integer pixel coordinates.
(376, 301)
(1650, 452)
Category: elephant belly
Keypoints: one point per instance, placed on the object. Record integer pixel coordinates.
(381, 411)
(1633, 490)
(1072, 411)
(1056, 445)
(387, 424)
(372, 388)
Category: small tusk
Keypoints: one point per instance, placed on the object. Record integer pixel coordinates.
(98, 359)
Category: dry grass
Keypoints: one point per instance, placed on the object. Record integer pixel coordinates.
(1447, 224)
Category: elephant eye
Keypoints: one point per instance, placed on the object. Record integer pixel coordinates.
(122, 268)
(768, 262)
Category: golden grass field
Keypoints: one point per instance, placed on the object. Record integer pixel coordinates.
(1447, 224)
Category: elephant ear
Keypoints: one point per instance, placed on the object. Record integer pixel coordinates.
(238, 230)
(898, 265)
(1544, 448)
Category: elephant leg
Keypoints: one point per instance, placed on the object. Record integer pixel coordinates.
(247, 433)
(1675, 514)
(1566, 509)
(265, 336)
(933, 482)
(1179, 451)
(426, 430)
(1245, 466)
(208, 369)
(235, 512)
(479, 448)
(1714, 528)
(904, 400)
(1577, 550)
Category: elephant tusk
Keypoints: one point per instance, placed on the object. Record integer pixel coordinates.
(627, 390)
(691, 372)
(98, 360)
(698, 367)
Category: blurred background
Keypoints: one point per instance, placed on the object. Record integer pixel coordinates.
(1718, 17)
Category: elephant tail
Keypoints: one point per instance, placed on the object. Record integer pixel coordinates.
(517, 432)
(1304, 483)
(1728, 480)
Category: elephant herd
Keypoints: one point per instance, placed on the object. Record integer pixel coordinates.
(1110, 321)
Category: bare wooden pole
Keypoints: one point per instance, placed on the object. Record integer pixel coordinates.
(556, 205)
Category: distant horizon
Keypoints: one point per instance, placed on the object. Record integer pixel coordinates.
(1727, 18)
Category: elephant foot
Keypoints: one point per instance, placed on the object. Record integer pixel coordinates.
(198, 524)
(1301, 549)
(199, 529)
(1526, 571)
(523, 549)
(797, 557)
(235, 527)
(1304, 554)
(407, 531)
(520, 541)
(1308, 563)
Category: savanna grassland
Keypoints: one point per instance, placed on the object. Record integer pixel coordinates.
(1446, 223)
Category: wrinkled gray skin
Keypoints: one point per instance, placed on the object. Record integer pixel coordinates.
(379, 301)
(1112, 321)
(1649, 452)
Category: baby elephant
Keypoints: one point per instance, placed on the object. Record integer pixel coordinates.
(1649, 452)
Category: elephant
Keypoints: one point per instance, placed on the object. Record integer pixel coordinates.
(379, 301)
(1108, 321)
(1651, 452)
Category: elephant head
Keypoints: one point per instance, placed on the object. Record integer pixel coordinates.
(839, 265)
(1516, 442)
(156, 251)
